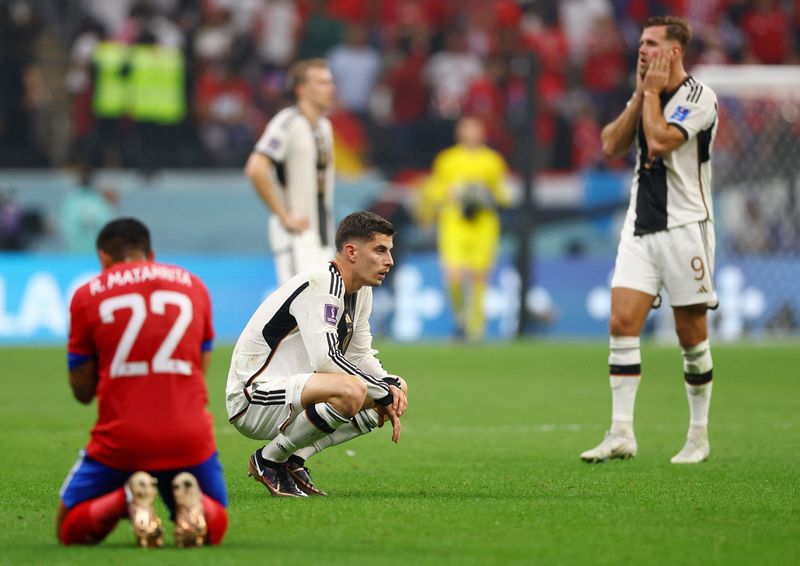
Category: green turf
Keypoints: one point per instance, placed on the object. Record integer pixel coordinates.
(487, 469)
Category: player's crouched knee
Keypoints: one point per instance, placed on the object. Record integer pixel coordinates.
(352, 394)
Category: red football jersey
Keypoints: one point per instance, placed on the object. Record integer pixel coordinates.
(147, 325)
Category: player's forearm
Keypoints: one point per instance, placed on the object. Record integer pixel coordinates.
(83, 381)
(618, 135)
(655, 125)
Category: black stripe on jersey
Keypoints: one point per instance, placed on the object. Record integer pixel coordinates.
(344, 330)
(337, 283)
(322, 216)
(704, 142)
(681, 129)
(282, 322)
(336, 356)
(651, 196)
(279, 326)
(280, 173)
(694, 92)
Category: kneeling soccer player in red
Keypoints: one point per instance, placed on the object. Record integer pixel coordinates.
(140, 340)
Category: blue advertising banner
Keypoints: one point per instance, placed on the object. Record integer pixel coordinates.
(571, 298)
(35, 291)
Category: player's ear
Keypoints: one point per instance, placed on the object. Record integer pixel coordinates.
(350, 251)
(106, 260)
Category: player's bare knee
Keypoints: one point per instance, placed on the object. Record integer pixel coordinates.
(351, 395)
(622, 324)
(690, 333)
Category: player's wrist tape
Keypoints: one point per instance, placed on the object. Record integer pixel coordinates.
(392, 380)
(385, 401)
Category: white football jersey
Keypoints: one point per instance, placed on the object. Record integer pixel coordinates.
(675, 189)
(303, 157)
(307, 325)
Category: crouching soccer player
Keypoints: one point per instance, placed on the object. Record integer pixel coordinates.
(140, 340)
(303, 373)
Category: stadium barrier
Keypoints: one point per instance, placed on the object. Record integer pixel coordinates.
(571, 299)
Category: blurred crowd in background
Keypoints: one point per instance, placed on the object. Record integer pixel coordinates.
(152, 84)
(180, 83)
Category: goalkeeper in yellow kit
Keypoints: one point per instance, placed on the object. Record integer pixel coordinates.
(466, 187)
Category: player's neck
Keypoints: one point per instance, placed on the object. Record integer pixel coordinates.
(107, 262)
(679, 75)
(351, 284)
(311, 112)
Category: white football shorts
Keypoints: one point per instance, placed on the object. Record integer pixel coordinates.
(274, 402)
(680, 260)
(294, 253)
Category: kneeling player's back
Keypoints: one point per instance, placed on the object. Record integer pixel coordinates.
(147, 325)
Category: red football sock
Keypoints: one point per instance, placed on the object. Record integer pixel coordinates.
(90, 522)
(216, 519)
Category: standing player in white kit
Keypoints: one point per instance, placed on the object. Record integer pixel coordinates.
(291, 168)
(668, 237)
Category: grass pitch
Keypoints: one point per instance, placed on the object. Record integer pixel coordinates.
(486, 472)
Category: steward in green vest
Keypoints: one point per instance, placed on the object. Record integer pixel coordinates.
(110, 99)
(157, 84)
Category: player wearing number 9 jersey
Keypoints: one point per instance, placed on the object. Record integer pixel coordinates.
(140, 340)
(667, 241)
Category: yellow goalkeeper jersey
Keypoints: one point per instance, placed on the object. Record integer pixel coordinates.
(466, 187)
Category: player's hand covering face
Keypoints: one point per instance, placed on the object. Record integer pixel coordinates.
(654, 50)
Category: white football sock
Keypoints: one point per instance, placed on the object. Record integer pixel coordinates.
(698, 370)
(316, 422)
(624, 360)
(363, 423)
(699, 402)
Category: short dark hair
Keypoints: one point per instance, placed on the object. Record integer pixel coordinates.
(678, 29)
(361, 225)
(298, 72)
(121, 236)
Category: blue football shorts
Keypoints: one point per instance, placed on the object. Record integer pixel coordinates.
(89, 479)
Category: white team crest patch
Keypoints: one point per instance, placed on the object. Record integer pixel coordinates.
(331, 312)
(680, 114)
